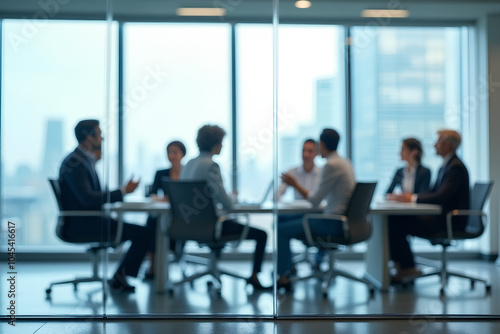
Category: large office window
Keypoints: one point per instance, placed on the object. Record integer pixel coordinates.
(406, 82)
(310, 97)
(177, 78)
(51, 78)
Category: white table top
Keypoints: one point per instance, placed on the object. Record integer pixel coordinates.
(386, 208)
(399, 208)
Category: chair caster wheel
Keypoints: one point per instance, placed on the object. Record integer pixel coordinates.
(372, 292)
(48, 291)
(488, 288)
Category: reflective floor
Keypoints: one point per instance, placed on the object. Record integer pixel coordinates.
(396, 326)
(345, 297)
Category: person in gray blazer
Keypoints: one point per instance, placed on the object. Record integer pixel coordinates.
(414, 178)
(209, 141)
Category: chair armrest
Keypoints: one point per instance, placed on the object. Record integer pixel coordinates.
(451, 214)
(81, 213)
(246, 226)
(332, 217)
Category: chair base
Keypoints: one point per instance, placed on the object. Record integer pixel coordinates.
(75, 283)
(327, 276)
(441, 269)
(95, 254)
(212, 270)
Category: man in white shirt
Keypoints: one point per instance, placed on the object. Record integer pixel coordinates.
(308, 174)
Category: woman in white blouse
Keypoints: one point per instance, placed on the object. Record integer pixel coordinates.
(414, 178)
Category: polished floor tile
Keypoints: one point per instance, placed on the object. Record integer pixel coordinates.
(345, 298)
(396, 326)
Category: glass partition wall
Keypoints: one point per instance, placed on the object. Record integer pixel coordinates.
(375, 86)
(53, 75)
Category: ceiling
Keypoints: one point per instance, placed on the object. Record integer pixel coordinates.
(440, 11)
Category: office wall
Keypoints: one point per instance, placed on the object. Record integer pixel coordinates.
(491, 28)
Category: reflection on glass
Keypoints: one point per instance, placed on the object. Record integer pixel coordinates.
(311, 96)
(177, 78)
(49, 83)
(50, 80)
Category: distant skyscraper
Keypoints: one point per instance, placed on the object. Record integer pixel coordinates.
(400, 80)
(325, 101)
(53, 149)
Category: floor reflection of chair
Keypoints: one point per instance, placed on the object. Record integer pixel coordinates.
(356, 229)
(194, 218)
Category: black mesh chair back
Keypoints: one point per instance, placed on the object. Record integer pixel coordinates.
(479, 195)
(359, 228)
(94, 247)
(56, 188)
(193, 211)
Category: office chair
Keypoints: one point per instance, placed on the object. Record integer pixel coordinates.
(194, 218)
(357, 228)
(95, 248)
(473, 229)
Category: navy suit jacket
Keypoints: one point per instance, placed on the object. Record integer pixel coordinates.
(80, 190)
(451, 192)
(422, 180)
(158, 181)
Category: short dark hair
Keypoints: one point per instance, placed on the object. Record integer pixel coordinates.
(330, 138)
(85, 128)
(209, 136)
(309, 140)
(179, 144)
(414, 144)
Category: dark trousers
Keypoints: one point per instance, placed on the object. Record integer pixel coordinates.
(400, 227)
(98, 230)
(151, 225)
(230, 227)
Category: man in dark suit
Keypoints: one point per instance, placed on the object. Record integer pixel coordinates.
(81, 191)
(451, 191)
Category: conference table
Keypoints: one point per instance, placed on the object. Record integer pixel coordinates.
(162, 210)
(376, 256)
(377, 253)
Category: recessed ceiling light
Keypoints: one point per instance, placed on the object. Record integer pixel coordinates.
(397, 13)
(200, 11)
(303, 4)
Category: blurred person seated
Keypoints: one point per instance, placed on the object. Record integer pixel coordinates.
(414, 178)
(336, 185)
(451, 191)
(209, 141)
(307, 174)
(81, 191)
(175, 152)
